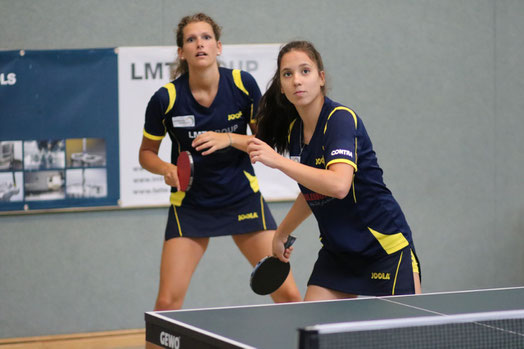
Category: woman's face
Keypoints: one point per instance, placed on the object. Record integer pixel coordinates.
(300, 79)
(200, 48)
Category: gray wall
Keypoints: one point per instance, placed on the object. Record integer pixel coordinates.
(439, 85)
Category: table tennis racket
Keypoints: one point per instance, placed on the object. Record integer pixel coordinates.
(270, 272)
(185, 170)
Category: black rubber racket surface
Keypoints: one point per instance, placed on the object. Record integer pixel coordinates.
(270, 273)
(185, 170)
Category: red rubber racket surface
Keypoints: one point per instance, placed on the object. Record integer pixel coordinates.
(185, 170)
(270, 273)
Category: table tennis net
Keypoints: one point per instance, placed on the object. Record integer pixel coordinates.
(504, 329)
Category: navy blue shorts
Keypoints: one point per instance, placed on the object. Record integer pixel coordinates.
(249, 215)
(389, 275)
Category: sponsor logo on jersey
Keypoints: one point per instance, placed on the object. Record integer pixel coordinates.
(7, 78)
(234, 116)
(169, 340)
(194, 134)
(250, 215)
(320, 161)
(313, 196)
(380, 276)
(342, 152)
(316, 199)
(183, 121)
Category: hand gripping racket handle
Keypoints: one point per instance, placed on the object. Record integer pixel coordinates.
(290, 240)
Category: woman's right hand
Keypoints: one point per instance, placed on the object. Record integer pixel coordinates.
(259, 151)
(171, 175)
(279, 250)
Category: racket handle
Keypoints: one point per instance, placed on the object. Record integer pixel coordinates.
(290, 240)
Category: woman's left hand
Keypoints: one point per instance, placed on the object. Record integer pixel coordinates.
(211, 141)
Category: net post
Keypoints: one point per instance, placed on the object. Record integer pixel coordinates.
(308, 338)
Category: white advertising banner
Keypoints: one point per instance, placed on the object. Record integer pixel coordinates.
(142, 71)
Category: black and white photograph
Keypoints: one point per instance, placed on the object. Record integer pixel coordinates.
(11, 186)
(10, 155)
(44, 154)
(44, 185)
(86, 183)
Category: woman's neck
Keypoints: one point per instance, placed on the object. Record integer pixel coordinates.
(204, 84)
(204, 79)
(309, 115)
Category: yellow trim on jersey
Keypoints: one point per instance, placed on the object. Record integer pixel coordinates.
(177, 221)
(354, 164)
(354, 191)
(153, 137)
(414, 263)
(356, 153)
(390, 243)
(341, 108)
(396, 274)
(170, 87)
(176, 198)
(344, 161)
(290, 128)
(262, 212)
(237, 78)
(253, 181)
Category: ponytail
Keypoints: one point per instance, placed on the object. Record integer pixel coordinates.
(274, 116)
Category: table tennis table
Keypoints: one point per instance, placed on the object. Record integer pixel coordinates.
(275, 326)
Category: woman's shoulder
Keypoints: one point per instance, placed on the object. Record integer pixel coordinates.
(234, 74)
(338, 110)
(331, 105)
(243, 80)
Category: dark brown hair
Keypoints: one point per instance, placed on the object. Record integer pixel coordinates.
(276, 112)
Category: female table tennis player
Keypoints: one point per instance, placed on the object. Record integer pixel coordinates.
(367, 248)
(206, 110)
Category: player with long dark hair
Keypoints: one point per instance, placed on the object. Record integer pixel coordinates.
(367, 246)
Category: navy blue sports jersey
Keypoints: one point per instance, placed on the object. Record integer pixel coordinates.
(225, 176)
(368, 221)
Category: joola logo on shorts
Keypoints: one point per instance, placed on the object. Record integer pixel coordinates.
(234, 116)
(169, 341)
(380, 276)
(251, 215)
(320, 161)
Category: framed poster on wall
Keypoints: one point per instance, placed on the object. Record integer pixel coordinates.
(58, 129)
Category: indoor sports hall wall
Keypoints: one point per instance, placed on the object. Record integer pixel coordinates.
(438, 83)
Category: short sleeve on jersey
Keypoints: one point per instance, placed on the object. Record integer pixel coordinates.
(253, 91)
(340, 137)
(154, 128)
